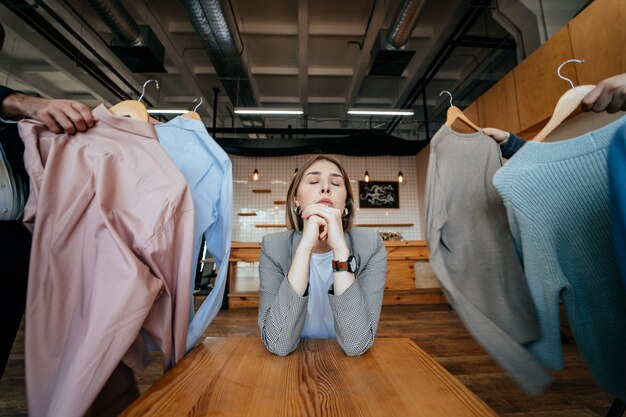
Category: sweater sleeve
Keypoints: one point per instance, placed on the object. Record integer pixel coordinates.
(357, 310)
(512, 145)
(281, 310)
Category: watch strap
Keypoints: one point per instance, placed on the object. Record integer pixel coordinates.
(339, 266)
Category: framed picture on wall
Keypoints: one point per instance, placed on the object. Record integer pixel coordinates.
(379, 194)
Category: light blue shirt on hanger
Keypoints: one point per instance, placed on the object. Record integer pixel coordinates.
(208, 171)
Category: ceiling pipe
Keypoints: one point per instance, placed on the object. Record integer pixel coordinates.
(121, 23)
(49, 32)
(211, 26)
(459, 32)
(404, 22)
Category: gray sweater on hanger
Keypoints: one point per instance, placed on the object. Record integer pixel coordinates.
(473, 253)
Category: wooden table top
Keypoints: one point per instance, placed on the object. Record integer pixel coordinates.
(239, 377)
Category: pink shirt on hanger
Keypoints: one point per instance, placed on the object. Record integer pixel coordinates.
(112, 221)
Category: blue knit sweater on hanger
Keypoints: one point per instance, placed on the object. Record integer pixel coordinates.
(557, 200)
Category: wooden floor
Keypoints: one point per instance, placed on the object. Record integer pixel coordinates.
(437, 330)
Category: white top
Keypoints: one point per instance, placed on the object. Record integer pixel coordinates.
(319, 321)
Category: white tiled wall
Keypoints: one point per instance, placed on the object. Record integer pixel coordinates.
(276, 174)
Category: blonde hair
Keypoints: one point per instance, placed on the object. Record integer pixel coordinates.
(293, 219)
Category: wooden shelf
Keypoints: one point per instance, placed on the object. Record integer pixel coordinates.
(279, 201)
(246, 214)
(261, 190)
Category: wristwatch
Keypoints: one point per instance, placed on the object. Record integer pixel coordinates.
(349, 265)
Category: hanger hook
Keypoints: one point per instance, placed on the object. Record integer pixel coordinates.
(448, 93)
(143, 92)
(196, 99)
(558, 71)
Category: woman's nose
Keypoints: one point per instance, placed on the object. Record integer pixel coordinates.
(325, 188)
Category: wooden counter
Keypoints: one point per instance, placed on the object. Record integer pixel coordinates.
(238, 377)
(401, 286)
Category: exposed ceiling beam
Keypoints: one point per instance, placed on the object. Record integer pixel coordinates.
(363, 62)
(275, 99)
(331, 72)
(327, 100)
(54, 58)
(303, 53)
(449, 75)
(373, 100)
(274, 70)
(204, 70)
(13, 70)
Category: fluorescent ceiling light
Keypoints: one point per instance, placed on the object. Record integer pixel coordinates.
(166, 111)
(267, 110)
(380, 112)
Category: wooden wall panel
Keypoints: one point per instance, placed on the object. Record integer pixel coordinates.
(598, 36)
(537, 85)
(472, 113)
(498, 106)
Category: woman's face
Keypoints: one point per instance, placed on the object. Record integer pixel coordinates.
(322, 183)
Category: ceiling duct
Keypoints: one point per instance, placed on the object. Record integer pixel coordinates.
(391, 53)
(135, 45)
(210, 23)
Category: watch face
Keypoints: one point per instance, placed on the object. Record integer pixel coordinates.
(352, 263)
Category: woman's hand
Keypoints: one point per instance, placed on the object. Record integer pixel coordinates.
(332, 227)
(312, 231)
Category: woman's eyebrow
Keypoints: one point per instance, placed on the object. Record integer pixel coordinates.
(317, 173)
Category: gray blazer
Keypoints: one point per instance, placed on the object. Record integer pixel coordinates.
(356, 311)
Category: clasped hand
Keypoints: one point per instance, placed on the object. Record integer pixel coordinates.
(323, 223)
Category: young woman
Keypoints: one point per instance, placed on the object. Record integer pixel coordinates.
(321, 278)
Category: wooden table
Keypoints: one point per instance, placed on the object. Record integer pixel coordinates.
(239, 377)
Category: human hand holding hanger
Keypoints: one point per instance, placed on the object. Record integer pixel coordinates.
(58, 115)
(609, 95)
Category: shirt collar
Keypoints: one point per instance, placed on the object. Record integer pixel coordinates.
(187, 123)
(126, 124)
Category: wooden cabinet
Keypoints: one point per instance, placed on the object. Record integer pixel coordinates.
(498, 106)
(472, 113)
(598, 35)
(524, 99)
(403, 285)
(537, 85)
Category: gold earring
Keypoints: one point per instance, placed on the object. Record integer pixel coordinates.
(297, 209)
(345, 212)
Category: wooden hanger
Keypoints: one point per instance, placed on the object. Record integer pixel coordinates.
(568, 102)
(192, 114)
(131, 108)
(454, 114)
